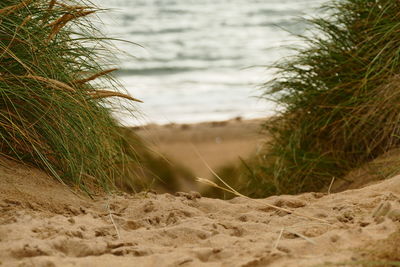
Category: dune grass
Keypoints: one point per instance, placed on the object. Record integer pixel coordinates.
(53, 113)
(340, 97)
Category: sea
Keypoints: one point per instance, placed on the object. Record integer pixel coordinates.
(202, 60)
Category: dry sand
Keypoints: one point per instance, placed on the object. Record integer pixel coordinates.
(219, 143)
(42, 223)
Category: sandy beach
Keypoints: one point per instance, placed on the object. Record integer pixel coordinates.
(218, 143)
(44, 223)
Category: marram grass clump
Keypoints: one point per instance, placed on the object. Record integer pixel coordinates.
(340, 97)
(53, 114)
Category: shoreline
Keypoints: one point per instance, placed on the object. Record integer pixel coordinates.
(144, 122)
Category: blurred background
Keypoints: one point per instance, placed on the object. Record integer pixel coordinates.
(202, 60)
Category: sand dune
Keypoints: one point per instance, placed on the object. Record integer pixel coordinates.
(43, 223)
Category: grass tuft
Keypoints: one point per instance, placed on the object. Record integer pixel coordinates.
(340, 97)
(53, 114)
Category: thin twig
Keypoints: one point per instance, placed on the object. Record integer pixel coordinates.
(279, 239)
(330, 186)
(302, 236)
(112, 220)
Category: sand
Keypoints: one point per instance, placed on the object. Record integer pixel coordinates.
(219, 143)
(44, 223)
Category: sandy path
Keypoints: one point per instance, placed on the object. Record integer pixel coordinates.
(219, 143)
(43, 224)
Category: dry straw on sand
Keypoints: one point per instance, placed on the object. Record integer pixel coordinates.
(229, 189)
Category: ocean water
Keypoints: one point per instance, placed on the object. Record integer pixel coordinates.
(202, 60)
